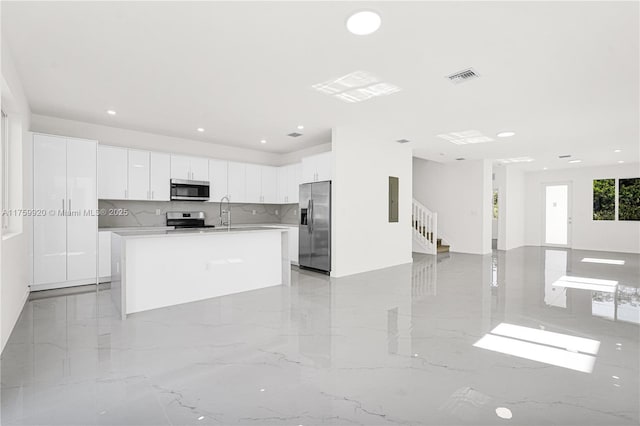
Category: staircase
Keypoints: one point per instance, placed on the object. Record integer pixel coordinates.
(425, 230)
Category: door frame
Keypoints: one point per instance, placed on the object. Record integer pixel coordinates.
(543, 231)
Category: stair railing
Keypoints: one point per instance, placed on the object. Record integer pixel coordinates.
(425, 226)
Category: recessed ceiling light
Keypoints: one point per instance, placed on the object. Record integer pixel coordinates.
(617, 150)
(300, 127)
(263, 141)
(505, 134)
(111, 112)
(200, 129)
(466, 137)
(575, 161)
(504, 413)
(364, 23)
(545, 168)
(620, 162)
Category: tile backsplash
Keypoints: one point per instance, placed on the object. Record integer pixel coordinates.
(145, 213)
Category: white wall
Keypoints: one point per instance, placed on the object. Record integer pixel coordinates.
(362, 237)
(512, 222)
(15, 260)
(461, 195)
(587, 234)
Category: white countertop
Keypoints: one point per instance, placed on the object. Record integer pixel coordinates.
(161, 228)
(133, 228)
(236, 229)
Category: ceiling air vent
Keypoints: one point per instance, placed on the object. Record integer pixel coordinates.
(294, 134)
(462, 76)
(564, 156)
(403, 140)
(460, 159)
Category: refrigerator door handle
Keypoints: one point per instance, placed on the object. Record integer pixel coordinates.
(310, 216)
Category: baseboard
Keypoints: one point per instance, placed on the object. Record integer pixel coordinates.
(65, 284)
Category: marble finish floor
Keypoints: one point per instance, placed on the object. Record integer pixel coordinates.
(464, 340)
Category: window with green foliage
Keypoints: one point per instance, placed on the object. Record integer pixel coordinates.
(604, 199)
(629, 199)
(495, 204)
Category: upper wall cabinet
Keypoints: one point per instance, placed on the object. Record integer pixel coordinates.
(132, 174)
(218, 186)
(189, 168)
(289, 178)
(269, 185)
(236, 182)
(317, 168)
(112, 173)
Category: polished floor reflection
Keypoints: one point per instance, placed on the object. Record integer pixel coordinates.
(464, 340)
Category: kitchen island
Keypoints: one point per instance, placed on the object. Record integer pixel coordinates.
(155, 269)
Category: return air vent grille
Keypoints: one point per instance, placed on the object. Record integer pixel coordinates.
(403, 141)
(462, 76)
(295, 134)
(460, 159)
(564, 156)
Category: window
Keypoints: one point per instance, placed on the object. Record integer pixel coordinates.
(604, 199)
(5, 172)
(495, 204)
(629, 199)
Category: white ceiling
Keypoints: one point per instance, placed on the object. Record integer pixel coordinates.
(563, 75)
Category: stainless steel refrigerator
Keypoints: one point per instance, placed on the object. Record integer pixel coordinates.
(314, 246)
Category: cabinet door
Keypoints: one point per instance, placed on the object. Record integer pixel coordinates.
(217, 180)
(159, 176)
(199, 169)
(112, 173)
(294, 180)
(49, 194)
(269, 184)
(309, 169)
(283, 184)
(293, 244)
(82, 229)
(139, 174)
(253, 183)
(104, 254)
(324, 166)
(180, 167)
(236, 182)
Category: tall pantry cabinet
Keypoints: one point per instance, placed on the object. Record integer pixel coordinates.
(65, 226)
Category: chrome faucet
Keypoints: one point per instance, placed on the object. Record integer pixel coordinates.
(227, 212)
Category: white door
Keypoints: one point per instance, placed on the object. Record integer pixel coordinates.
(112, 173)
(236, 182)
(199, 169)
(217, 180)
(557, 214)
(269, 184)
(294, 178)
(180, 167)
(139, 173)
(49, 195)
(253, 184)
(323, 166)
(160, 172)
(82, 228)
(283, 184)
(309, 169)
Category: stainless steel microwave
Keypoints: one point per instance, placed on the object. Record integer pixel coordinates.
(189, 190)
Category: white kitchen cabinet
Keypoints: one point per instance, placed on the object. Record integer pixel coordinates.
(253, 183)
(112, 173)
(139, 175)
(317, 168)
(217, 180)
(159, 176)
(293, 244)
(189, 168)
(269, 185)
(236, 182)
(199, 169)
(104, 256)
(294, 176)
(64, 185)
(283, 184)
